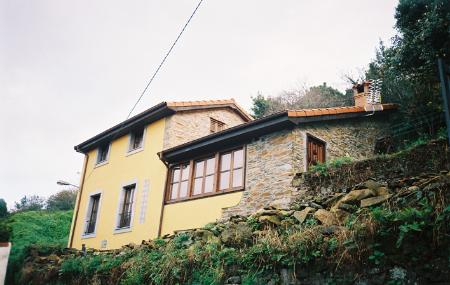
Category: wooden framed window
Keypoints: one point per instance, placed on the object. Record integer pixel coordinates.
(231, 170)
(214, 174)
(204, 176)
(216, 125)
(179, 185)
(315, 151)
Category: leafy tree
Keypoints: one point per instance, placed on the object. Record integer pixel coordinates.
(30, 203)
(63, 200)
(5, 230)
(260, 106)
(314, 97)
(408, 68)
(3, 209)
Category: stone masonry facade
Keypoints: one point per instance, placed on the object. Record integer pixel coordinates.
(186, 126)
(273, 160)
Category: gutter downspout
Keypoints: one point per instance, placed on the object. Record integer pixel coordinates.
(80, 192)
(164, 195)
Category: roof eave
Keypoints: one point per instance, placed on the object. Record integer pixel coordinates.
(155, 113)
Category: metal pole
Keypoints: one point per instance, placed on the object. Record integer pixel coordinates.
(444, 74)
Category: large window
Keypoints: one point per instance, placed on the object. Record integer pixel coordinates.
(126, 207)
(91, 219)
(207, 176)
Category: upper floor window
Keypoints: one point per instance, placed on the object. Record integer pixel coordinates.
(102, 153)
(216, 125)
(126, 207)
(207, 176)
(91, 219)
(136, 140)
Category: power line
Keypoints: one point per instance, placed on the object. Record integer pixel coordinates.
(154, 75)
(165, 57)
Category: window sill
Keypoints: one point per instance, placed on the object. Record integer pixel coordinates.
(202, 196)
(122, 230)
(87, 236)
(101, 163)
(131, 152)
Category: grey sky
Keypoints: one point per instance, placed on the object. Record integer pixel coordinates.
(70, 69)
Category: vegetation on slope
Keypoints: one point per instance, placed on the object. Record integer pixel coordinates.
(403, 240)
(44, 229)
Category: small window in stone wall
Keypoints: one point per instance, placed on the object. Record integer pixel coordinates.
(216, 125)
(315, 151)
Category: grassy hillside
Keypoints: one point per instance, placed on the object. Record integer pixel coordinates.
(46, 229)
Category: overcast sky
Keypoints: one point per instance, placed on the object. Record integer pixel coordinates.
(70, 69)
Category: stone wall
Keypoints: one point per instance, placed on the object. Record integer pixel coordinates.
(269, 172)
(186, 126)
(344, 138)
(273, 160)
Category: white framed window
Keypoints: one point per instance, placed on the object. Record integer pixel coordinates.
(136, 142)
(125, 211)
(92, 213)
(102, 154)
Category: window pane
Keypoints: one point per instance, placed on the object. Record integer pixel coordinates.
(210, 166)
(197, 186)
(224, 180)
(183, 189)
(225, 161)
(238, 176)
(173, 194)
(185, 173)
(199, 168)
(209, 184)
(176, 174)
(238, 159)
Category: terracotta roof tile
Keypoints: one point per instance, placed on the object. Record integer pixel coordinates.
(334, 110)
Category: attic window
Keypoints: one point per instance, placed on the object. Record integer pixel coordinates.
(216, 125)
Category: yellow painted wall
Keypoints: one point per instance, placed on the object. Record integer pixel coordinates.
(196, 213)
(109, 179)
(123, 169)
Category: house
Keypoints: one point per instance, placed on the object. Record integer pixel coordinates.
(256, 161)
(190, 174)
(123, 181)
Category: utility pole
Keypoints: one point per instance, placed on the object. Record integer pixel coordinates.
(444, 74)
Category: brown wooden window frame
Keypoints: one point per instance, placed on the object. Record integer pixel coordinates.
(216, 176)
(309, 138)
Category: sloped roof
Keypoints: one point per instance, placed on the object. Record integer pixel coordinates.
(155, 113)
(246, 132)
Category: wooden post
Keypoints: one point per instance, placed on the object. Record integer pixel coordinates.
(444, 74)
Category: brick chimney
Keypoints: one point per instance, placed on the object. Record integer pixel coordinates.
(361, 96)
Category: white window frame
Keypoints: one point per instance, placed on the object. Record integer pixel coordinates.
(87, 214)
(118, 230)
(130, 151)
(98, 164)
